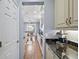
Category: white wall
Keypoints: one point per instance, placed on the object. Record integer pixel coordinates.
(72, 35)
(51, 34)
(49, 15)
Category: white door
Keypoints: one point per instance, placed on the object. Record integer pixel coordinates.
(8, 34)
(8, 37)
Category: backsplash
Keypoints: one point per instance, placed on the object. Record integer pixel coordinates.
(72, 35)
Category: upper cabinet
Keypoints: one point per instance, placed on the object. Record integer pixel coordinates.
(66, 14)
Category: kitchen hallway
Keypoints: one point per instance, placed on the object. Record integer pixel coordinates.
(39, 29)
(32, 49)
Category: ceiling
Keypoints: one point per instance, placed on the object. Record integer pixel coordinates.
(32, 13)
(32, 0)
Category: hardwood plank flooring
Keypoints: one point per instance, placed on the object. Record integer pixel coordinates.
(32, 49)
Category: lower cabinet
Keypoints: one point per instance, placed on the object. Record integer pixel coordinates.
(50, 54)
(55, 56)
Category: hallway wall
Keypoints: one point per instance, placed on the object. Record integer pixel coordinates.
(49, 15)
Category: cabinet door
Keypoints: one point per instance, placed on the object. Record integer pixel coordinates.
(66, 12)
(75, 13)
(49, 54)
(61, 13)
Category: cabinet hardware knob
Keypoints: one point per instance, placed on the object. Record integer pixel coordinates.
(17, 41)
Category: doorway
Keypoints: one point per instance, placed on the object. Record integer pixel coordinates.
(33, 14)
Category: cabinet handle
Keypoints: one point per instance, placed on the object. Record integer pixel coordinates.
(70, 20)
(67, 21)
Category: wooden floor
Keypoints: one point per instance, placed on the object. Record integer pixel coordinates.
(32, 50)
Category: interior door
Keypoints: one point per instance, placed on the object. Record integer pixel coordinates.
(9, 46)
(8, 37)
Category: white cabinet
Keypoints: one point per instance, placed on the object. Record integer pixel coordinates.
(66, 13)
(50, 54)
(75, 13)
(59, 13)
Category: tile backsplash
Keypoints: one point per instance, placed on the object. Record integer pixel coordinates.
(72, 35)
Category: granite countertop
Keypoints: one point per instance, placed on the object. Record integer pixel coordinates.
(52, 46)
(72, 54)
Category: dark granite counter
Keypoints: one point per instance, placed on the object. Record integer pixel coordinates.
(52, 46)
(69, 52)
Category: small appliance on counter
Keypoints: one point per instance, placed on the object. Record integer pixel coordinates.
(62, 36)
